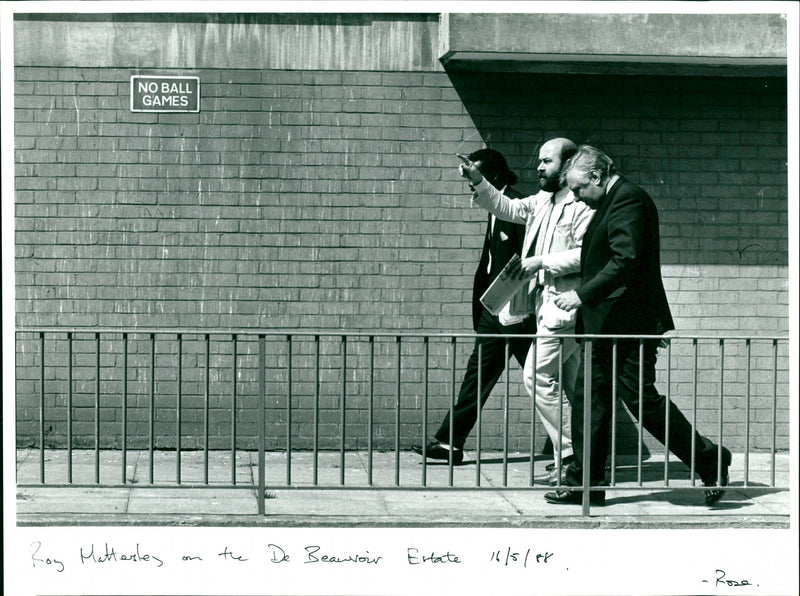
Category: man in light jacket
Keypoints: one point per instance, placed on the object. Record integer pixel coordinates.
(554, 227)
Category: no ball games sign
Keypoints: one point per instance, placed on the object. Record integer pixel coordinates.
(165, 94)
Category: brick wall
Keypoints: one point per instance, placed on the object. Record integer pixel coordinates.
(294, 200)
(330, 200)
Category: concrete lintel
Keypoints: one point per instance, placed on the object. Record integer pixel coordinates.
(601, 67)
(712, 40)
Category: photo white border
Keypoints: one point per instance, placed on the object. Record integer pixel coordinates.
(593, 561)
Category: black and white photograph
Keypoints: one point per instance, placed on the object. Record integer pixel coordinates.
(400, 298)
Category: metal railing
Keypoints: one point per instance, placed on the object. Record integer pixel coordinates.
(241, 365)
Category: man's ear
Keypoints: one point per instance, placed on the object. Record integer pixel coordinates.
(596, 178)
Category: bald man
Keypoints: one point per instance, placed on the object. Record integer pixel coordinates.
(551, 253)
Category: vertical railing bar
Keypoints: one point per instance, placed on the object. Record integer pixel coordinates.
(424, 413)
(234, 377)
(262, 423)
(452, 411)
(748, 378)
(774, 408)
(289, 371)
(719, 422)
(533, 412)
(587, 428)
(479, 418)
(640, 438)
(206, 408)
(124, 407)
(152, 408)
(178, 408)
(397, 418)
(748, 351)
(97, 409)
(343, 407)
(41, 407)
(666, 413)
(371, 409)
(506, 411)
(614, 401)
(69, 408)
(694, 413)
(315, 447)
(560, 438)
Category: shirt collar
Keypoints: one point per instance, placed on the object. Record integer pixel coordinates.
(561, 195)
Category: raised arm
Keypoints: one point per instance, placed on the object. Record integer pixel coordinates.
(491, 199)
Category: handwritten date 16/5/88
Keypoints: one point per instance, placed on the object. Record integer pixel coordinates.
(509, 556)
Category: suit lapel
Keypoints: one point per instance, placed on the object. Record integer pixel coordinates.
(598, 217)
(533, 230)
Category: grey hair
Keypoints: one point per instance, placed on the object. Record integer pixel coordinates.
(589, 159)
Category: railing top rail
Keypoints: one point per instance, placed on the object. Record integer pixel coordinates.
(364, 334)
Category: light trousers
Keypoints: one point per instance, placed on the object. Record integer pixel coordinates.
(550, 395)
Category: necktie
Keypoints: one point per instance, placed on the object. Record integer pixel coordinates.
(489, 231)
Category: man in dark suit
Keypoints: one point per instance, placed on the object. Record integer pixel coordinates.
(503, 239)
(621, 293)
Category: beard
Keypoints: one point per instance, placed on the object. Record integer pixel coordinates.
(549, 183)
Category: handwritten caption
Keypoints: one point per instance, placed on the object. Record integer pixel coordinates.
(108, 554)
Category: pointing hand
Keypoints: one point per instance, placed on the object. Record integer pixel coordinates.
(468, 170)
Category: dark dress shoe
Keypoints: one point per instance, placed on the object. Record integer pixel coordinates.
(435, 450)
(574, 497)
(713, 495)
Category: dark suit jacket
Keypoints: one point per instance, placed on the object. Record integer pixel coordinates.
(505, 241)
(621, 287)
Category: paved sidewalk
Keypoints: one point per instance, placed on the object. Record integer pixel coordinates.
(496, 495)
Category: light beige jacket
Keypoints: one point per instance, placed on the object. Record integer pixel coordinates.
(561, 254)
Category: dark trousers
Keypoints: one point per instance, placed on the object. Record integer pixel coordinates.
(493, 363)
(654, 411)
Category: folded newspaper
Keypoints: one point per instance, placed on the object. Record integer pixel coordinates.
(502, 289)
